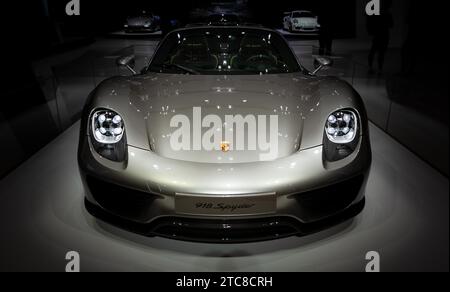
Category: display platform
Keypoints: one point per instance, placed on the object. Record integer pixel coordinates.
(42, 217)
(123, 33)
(307, 35)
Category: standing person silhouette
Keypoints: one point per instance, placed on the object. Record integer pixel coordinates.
(379, 27)
(326, 31)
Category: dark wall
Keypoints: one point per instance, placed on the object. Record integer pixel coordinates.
(19, 41)
(25, 118)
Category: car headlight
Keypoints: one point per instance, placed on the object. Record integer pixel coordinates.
(341, 127)
(341, 132)
(108, 135)
(107, 127)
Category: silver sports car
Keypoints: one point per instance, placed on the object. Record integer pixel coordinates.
(224, 137)
(143, 22)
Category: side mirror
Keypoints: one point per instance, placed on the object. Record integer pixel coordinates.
(320, 63)
(128, 62)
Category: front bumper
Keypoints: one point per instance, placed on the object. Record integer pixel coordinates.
(141, 29)
(305, 29)
(308, 190)
(223, 230)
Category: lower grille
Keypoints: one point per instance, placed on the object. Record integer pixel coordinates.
(321, 203)
(226, 230)
(124, 202)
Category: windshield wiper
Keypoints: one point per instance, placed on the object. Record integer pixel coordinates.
(177, 66)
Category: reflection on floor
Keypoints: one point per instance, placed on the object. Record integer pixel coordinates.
(123, 33)
(406, 220)
(287, 33)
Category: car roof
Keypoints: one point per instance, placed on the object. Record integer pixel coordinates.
(194, 26)
(223, 14)
(302, 11)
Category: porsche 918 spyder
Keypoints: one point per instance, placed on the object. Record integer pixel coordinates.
(224, 137)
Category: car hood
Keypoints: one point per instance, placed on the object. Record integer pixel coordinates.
(139, 20)
(160, 99)
(306, 21)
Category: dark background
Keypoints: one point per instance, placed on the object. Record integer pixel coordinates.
(33, 29)
(101, 16)
(38, 28)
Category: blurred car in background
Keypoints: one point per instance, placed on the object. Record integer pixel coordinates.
(301, 21)
(223, 19)
(142, 22)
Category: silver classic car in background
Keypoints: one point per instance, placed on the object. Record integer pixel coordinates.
(301, 21)
(142, 22)
(223, 19)
(224, 137)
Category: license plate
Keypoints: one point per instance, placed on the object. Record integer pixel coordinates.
(225, 205)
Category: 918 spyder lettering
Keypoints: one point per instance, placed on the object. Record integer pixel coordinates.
(223, 207)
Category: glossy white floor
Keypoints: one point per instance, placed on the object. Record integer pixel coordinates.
(42, 217)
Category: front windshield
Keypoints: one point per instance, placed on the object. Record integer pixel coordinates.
(303, 15)
(231, 51)
(140, 12)
(216, 18)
